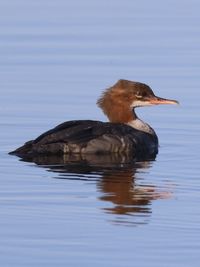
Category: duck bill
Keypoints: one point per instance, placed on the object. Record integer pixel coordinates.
(159, 101)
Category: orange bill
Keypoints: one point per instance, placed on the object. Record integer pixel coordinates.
(158, 100)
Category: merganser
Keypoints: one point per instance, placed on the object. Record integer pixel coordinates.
(125, 133)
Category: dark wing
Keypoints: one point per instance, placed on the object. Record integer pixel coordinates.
(81, 131)
(69, 131)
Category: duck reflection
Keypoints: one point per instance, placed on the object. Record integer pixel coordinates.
(118, 179)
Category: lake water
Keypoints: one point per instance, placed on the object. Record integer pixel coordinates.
(56, 57)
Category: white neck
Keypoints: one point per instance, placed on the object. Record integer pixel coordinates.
(141, 126)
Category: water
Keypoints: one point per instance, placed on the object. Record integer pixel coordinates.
(56, 57)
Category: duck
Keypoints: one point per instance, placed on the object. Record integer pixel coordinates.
(123, 133)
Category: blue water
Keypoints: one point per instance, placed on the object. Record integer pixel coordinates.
(56, 57)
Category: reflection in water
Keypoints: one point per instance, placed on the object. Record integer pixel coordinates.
(115, 178)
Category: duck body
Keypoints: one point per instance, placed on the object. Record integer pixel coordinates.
(88, 136)
(124, 133)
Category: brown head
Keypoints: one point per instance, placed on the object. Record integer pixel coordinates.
(118, 102)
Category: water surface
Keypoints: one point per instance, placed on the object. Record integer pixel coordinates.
(56, 57)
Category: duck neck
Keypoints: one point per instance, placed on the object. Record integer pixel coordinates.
(140, 125)
(120, 114)
(129, 117)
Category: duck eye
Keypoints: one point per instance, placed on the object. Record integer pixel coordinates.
(144, 94)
